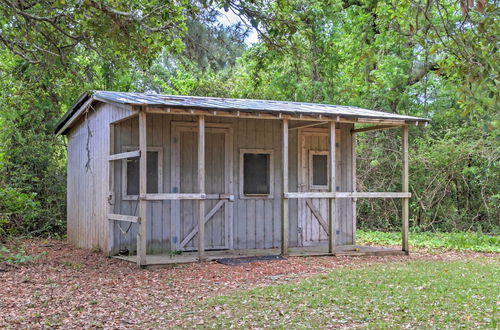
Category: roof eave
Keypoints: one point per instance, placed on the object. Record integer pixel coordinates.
(63, 124)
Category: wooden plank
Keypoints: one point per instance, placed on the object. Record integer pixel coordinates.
(281, 116)
(308, 125)
(111, 187)
(177, 196)
(201, 187)
(405, 186)
(77, 115)
(250, 215)
(268, 218)
(156, 220)
(126, 218)
(125, 155)
(354, 186)
(332, 184)
(318, 216)
(372, 195)
(373, 128)
(259, 228)
(284, 211)
(208, 216)
(166, 219)
(303, 195)
(141, 236)
(293, 213)
(306, 194)
(229, 184)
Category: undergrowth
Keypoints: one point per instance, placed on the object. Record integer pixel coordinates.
(471, 241)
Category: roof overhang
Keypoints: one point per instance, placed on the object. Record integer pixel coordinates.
(264, 109)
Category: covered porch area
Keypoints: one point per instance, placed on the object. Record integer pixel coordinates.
(307, 157)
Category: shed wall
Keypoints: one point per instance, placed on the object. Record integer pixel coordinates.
(256, 222)
(87, 177)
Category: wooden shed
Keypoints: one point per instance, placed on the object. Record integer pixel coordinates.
(166, 178)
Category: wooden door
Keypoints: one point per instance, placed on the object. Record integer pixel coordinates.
(218, 181)
(313, 176)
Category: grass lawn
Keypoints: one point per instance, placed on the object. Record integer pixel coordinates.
(471, 241)
(423, 294)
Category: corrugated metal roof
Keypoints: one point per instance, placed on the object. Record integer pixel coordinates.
(215, 103)
(227, 104)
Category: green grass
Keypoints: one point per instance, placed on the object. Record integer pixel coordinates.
(458, 241)
(419, 294)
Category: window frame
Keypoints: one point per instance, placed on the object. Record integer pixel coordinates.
(269, 152)
(312, 153)
(124, 171)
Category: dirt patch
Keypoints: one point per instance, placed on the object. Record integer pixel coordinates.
(75, 288)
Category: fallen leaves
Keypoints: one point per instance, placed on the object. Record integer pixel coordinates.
(75, 288)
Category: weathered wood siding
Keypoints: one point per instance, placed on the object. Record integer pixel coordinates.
(87, 177)
(255, 221)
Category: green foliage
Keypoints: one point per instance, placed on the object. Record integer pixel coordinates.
(418, 294)
(14, 257)
(438, 59)
(471, 241)
(19, 212)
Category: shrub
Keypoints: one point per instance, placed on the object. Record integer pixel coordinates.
(18, 212)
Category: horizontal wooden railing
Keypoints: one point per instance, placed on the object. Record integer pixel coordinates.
(125, 155)
(122, 217)
(347, 195)
(188, 196)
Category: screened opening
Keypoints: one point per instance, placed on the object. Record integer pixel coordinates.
(320, 170)
(256, 173)
(152, 170)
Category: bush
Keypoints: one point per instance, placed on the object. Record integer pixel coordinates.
(18, 212)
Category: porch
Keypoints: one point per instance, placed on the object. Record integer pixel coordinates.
(153, 260)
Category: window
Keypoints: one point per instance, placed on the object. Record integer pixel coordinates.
(318, 169)
(130, 185)
(256, 173)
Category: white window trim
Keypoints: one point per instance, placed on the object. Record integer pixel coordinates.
(124, 172)
(270, 152)
(311, 169)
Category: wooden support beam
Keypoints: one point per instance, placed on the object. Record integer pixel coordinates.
(75, 116)
(373, 128)
(178, 196)
(332, 237)
(318, 216)
(373, 195)
(308, 125)
(126, 218)
(284, 203)
(307, 194)
(208, 216)
(354, 186)
(329, 195)
(279, 116)
(125, 155)
(187, 196)
(111, 188)
(405, 186)
(201, 187)
(141, 235)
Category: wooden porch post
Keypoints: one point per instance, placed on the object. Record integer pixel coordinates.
(354, 186)
(111, 188)
(331, 217)
(405, 188)
(201, 187)
(141, 235)
(284, 204)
